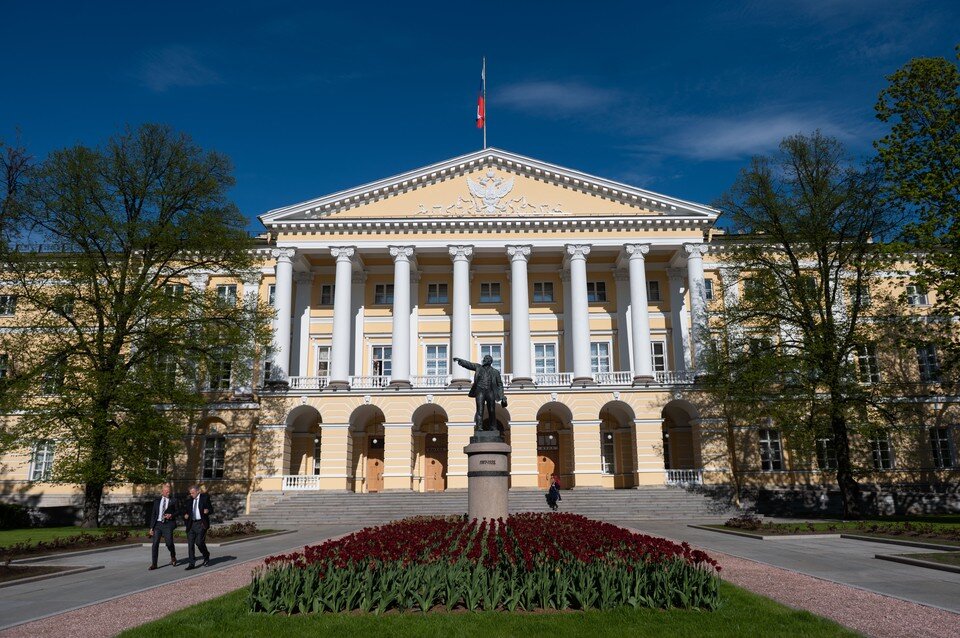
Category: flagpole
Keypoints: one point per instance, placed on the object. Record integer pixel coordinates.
(484, 102)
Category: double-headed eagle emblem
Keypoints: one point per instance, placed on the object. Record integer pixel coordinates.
(490, 190)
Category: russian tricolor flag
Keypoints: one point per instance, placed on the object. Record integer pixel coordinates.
(482, 97)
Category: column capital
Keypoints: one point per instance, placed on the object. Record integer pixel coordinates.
(578, 251)
(251, 278)
(283, 254)
(695, 251)
(343, 253)
(520, 252)
(637, 251)
(303, 277)
(401, 253)
(198, 281)
(459, 252)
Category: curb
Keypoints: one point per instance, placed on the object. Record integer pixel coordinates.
(765, 537)
(82, 552)
(180, 543)
(916, 562)
(897, 541)
(34, 579)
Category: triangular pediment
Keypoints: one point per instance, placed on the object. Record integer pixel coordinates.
(488, 184)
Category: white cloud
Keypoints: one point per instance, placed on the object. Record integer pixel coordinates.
(556, 99)
(175, 66)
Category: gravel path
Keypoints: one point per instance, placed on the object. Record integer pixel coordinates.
(867, 612)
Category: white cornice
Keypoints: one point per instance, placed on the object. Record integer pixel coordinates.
(566, 177)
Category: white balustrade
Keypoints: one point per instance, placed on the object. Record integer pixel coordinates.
(298, 482)
(553, 378)
(670, 377)
(307, 383)
(614, 378)
(431, 380)
(366, 382)
(683, 477)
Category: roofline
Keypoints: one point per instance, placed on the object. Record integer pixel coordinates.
(488, 153)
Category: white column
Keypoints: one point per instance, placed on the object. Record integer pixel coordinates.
(342, 309)
(678, 320)
(301, 329)
(519, 316)
(625, 343)
(283, 301)
(460, 324)
(401, 316)
(357, 310)
(580, 313)
(640, 315)
(698, 299)
(567, 328)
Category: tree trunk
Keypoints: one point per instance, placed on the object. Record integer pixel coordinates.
(92, 497)
(849, 488)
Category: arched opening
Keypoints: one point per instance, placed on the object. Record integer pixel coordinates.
(554, 445)
(303, 441)
(681, 458)
(618, 445)
(367, 434)
(430, 441)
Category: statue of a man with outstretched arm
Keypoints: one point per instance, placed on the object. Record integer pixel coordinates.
(487, 388)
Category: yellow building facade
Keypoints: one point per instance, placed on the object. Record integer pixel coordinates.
(585, 292)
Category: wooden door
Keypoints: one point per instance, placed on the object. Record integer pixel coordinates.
(548, 458)
(435, 465)
(375, 464)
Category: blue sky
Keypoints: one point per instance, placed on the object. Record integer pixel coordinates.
(307, 100)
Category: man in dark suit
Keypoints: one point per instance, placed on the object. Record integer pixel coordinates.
(487, 389)
(162, 521)
(197, 518)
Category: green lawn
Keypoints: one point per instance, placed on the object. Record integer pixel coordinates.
(11, 536)
(933, 529)
(742, 614)
(947, 558)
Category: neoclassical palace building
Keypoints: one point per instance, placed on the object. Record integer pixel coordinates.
(585, 292)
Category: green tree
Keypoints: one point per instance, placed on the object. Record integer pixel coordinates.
(806, 222)
(111, 346)
(920, 156)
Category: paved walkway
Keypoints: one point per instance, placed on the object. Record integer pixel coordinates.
(125, 572)
(848, 562)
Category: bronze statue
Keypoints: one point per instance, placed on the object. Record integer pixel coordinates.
(487, 388)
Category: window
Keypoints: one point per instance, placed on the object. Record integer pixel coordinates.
(708, 289)
(316, 454)
(862, 295)
(600, 357)
(940, 447)
(810, 285)
(219, 372)
(653, 291)
(760, 345)
(326, 294)
(323, 361)
(168, 370)
(596, 291)
(882, 452)
(490, 292)
(272, 295)
(658, 356)
(917, 295)
(174, 291)
(826, 454)
(383, 294)
(214, 448)
(544, 358)
(437, 293)
(928, 364)
(435, 364)
(54, 375)
(771, 452)
(8, 304)
(382, 361)
(608, 453)
(154, 465)
(542, 291)
(495, 350)
(63, 305)
(42, 460)
(867, 363)
(227, 293)
(751, 289)
(267, 364)
(4, 366)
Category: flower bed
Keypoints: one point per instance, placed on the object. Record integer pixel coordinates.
(529, 562)
(906, 530)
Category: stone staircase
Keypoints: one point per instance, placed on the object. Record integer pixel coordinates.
(289, 510)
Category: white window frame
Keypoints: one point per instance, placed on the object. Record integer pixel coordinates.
(4, 366)
(917, 296)
(318, 350)
(214, 458)
(595, 360)
(427, 360)
(317, 450)
(389, 360)
(8, 305)
(272, 295)
(498, 360)
(608, 452)
(654, 294)
(383, 294)
(327, 292)
(490, 296)
(876, 452)
(773, 446)
(868, 367)
(436, 298)
(865, 299)
(826, 452)
(41, 467)
(653, 356)
(267, 365)
(941, 447)
(708, 290)
(551, 344)
(928, 363)
(227, 293)
(171, 290)
(546, 293)
(597, 291)
(217, 363)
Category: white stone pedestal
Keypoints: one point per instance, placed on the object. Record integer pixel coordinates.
(487, 477)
